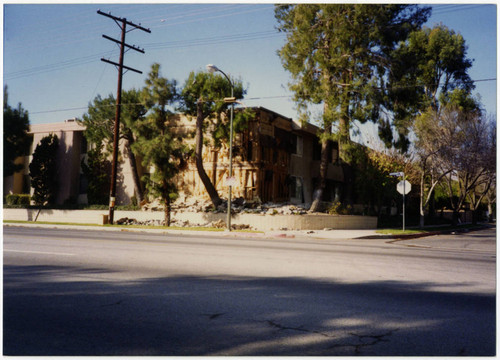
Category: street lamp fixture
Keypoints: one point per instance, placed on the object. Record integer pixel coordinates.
(211, 69)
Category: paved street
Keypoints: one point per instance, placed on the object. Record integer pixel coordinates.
(88, 292)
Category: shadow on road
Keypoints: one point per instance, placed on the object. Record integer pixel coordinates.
(52, 310)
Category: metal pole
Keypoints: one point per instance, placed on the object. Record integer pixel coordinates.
(212, 68)
(114, 165)
(230, 160)
(404, 191)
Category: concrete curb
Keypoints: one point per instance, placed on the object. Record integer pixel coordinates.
(402, 237)
(285, 234)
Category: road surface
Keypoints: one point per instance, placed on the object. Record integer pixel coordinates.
(135, 293)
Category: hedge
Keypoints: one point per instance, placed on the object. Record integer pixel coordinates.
(17, 199)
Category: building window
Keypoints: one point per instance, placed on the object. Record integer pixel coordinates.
(297, 145)
(316, 150)
(297, 188)
(84, 145)
(300, 146)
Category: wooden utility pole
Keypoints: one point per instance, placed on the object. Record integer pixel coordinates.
(122, 23)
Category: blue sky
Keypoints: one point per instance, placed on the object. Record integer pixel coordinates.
(52, 52)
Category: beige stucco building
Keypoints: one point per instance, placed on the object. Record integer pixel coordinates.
(72, 148)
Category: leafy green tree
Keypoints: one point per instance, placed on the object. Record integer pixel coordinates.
(339, 56)
(96, 170)
(429, 70)
(43, 170)
(203, 97)
(375, 187)
(100, 121)
(162, 150)
(16, 141)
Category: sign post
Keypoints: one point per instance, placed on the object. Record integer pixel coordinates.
(403, 187)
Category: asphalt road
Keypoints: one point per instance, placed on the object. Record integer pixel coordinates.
(134, 293)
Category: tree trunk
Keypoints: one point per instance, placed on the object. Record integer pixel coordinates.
(490, 211)
(346, 152)
(212, 192)
(422, 195)
(323, 168)
(135, 174)
(167, 211)
(168, 208)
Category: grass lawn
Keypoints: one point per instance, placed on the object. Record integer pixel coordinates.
(400, 231)
(429, 229)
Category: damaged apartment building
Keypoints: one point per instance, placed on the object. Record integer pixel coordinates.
(274, 160)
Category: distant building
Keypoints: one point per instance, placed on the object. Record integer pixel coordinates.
(274, 160)
(72, 147)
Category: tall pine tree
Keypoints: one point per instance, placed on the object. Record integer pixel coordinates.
(162, 151)
(339, 56)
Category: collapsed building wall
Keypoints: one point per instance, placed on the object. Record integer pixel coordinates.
(273, 161)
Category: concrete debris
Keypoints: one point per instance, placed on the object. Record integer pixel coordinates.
(240, 226)
(218, 224)
(238, 205)
(126, 221)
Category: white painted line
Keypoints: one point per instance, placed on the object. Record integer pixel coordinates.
(39, 252)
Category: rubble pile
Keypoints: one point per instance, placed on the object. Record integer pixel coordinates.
(238, 206)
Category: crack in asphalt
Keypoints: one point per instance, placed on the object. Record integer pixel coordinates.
(213, 316)
(363, 340)
(375, 340)
(113, 304)
(300, 328)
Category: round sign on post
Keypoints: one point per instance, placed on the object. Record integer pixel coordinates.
(403, 187)
(230, 181)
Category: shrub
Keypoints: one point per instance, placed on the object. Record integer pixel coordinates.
(336, 208)
(18, 199)
(43, 170)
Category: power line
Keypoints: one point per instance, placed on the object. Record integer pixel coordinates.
(245, 99)
(447, 8)
(439, 9)
(55, 66)
(52, 37)
(151, 47)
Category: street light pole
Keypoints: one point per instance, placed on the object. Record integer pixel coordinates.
(212, 68)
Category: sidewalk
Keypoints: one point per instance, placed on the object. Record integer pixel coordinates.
(283, 234)
(276, 234)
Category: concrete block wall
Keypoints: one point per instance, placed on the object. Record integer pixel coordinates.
(256, 221)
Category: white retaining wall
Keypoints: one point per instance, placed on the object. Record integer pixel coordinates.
(256, 221)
